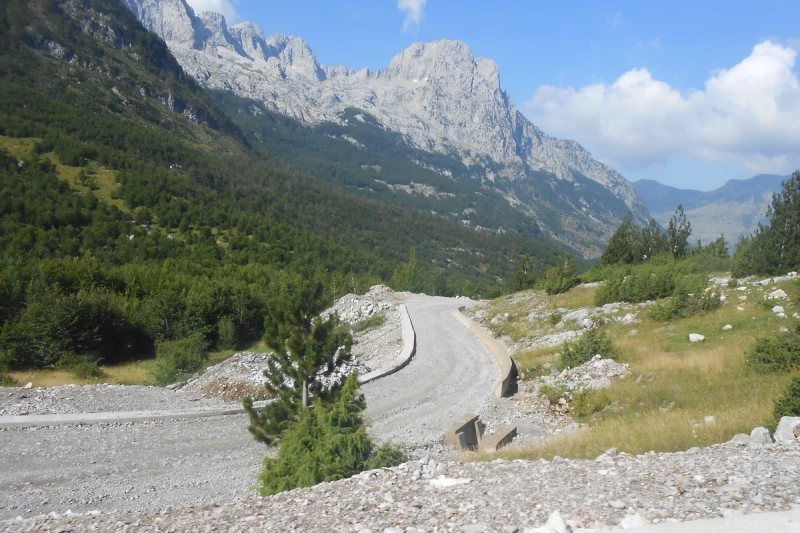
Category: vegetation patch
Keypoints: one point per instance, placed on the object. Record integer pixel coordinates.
(593, 342)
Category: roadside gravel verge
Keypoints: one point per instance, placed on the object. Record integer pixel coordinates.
(724, 480)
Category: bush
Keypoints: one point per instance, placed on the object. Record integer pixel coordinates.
(327, 443)
(684, 305)
(553, 392)
(588, 402)
(226, 334)
(594, 341)
(180, 358)
(789, 403)
(645, 282)
(561, 277)
(555, 318)
(778, 353)
(81, 366)
(373, 322)
(6, 360)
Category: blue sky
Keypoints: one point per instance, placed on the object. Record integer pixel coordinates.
(688, 93)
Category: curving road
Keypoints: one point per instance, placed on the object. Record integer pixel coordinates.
(147, 466)
(451, 374)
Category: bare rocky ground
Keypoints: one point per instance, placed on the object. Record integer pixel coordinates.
(613, 491)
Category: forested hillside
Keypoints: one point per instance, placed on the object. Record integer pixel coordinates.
(135, 212)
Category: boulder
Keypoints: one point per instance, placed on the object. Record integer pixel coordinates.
(696, 337)
(727, 327)
(778, 309)
(759, 435)
(630, 318)
(778, 295)
(786, 429)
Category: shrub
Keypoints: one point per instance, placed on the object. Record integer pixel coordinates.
(588, 402)
(553, 392)
(733, 282)
(555, 318)
(226, 334)
(645, 282)
(327, 443)
(789, 403)
(561, 277)
(778, 353)
(684, 305)
(6, 360)
(373, 322)
(81, 366)
(594, 341)
(180, 358)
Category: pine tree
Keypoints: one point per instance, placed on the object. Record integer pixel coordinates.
(678, 233)
(650, 242)
(781, 241)
(525, 276)
(327, 443)
(306, 349)
(620, 247)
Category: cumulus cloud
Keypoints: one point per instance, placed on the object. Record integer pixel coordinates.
(414, 10)
(223, 7)
(747, 115)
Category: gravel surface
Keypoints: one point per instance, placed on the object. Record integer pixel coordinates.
(145, 466)
(723, 480)
(71, 399)
(451, 375)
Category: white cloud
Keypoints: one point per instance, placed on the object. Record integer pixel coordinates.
(415, 9)
(223, 7)
(747, 115)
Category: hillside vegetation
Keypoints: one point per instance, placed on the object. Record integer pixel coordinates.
(642, 305)
(135, 213)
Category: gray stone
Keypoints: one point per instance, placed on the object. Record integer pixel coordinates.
(785, 432)
(778, 309)
(696, 337)
(778, 295)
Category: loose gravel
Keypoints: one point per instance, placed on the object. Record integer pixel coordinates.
(145, 466)
(723, 480)
(72, 399)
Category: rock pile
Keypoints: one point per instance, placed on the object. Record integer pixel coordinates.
(352, 308)
(595, 374)
(233, 379)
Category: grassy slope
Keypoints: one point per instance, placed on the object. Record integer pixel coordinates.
(682, 382)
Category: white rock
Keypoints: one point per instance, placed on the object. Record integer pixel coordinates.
(781, 315)
(778, 309)
(778, 295)
(696, 337)
(554, 524)
(632, 521)
(446, 482)
(786, 427)
(727, 327)
(740, 308)
(28, 385)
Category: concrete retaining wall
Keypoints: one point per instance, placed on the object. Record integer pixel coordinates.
(406, 354)
(508, 369)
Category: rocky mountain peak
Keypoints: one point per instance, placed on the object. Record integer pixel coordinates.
(437, 95)
(296, 56)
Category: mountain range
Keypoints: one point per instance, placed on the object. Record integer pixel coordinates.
(437, 97)
(734, 209)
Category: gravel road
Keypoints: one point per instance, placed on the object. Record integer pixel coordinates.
(131, 467)
(451, 375)
(149, 466)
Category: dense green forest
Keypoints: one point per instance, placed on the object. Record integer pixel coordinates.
(134, 211)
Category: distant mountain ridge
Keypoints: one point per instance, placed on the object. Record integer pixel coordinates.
(437, 95)
(734, 209)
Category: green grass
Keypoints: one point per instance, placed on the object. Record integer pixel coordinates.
(682, 382)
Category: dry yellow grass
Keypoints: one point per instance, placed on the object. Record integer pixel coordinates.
(135, 373)
(681, 384)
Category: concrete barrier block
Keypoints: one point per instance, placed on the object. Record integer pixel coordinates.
(466, 433)
(502, 436)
